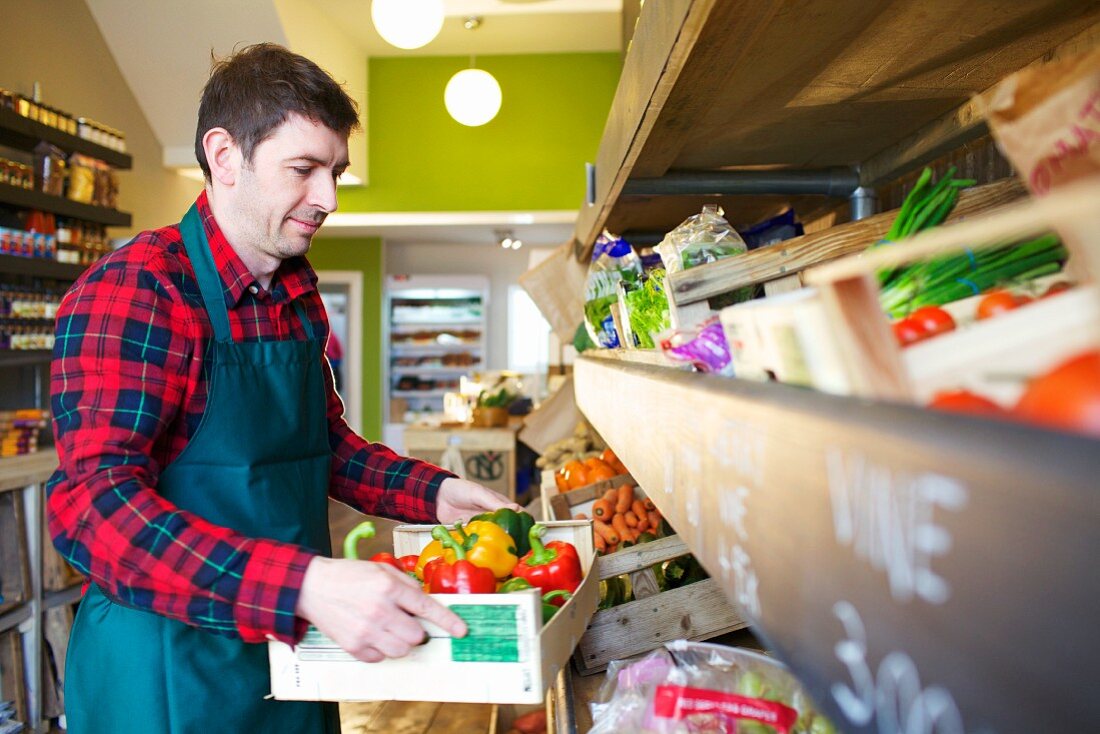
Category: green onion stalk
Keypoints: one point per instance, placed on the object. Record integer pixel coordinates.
(953, 277)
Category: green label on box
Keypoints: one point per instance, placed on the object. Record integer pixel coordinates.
(493, 635)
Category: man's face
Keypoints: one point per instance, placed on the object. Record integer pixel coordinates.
(288, 189)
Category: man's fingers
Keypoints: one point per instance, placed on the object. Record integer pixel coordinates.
(422, 605)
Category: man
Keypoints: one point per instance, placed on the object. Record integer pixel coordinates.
(199, 436)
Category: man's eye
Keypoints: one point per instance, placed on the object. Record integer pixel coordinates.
(301, 171)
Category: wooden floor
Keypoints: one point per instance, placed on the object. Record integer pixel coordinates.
(408, 717)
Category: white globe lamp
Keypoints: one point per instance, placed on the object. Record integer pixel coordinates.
(472, 97)
(407, 23)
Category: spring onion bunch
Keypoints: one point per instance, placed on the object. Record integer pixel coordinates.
(953, 277)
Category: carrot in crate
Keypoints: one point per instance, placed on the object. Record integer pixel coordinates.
(654, 519)
(603, 510)
(638, 508)
(605, 531)
(618, 524)
(625, 499)
(631, 518)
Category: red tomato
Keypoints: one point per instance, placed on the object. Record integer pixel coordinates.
(1067, 397)
(1055, 288)
(964, 401)
(933, 319)
(909, 331)
(996, 302)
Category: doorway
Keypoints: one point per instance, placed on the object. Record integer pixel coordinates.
(342, 293)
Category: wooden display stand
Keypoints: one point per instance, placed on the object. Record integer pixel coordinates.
(12, 685)
(488, 454)
(15, 585)
(698, 611)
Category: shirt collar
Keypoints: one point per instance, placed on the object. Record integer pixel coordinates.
(293, 278)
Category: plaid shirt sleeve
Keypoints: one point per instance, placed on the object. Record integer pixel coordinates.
(123, 356)
(372, 477)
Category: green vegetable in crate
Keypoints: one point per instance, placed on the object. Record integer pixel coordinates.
(549, 600)
(516, 524)
(953, 277)
(683, 571)
(499, 399)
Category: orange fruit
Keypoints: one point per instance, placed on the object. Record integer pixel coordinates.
(575, 473)
(601, 473)
(559, 479)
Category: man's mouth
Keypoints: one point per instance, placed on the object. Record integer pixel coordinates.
(308, 226)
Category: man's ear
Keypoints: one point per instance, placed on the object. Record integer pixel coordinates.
(222, 155)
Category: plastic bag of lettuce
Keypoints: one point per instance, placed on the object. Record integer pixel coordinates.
(643, 304)
(693, 687)
(704, 238)
(612, 260)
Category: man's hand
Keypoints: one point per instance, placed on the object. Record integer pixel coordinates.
(370, 609)
(459, 499)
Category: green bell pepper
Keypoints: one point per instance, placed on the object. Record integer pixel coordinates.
(516, 524)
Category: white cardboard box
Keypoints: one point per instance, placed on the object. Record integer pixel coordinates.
(507, 657)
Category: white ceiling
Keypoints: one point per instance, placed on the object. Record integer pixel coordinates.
(180, 35)
(508, 27)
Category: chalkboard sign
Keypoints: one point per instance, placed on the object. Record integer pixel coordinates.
(921, 573)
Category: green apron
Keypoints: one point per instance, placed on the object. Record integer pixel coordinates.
(259, 464)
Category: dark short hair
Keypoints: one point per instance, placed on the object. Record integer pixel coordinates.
(251, 92)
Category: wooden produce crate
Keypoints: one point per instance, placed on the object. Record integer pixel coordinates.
(509, 656)
(995, 356)
(12, 683)
(697, 611)
(14, 571)
(58, 626)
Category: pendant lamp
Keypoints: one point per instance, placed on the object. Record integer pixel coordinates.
(407, 24)
(472, 96)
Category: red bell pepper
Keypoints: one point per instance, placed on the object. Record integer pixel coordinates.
(554, 566)
(408, 563)
(460, 577)
(388, 558)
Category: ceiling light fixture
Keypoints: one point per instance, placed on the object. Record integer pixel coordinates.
(506, 238)
(472, 96)
(407, 24)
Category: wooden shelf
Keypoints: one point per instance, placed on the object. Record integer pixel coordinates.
(24, 133)
(30, 199)
(711, 85)
(17, 472)
(932, 541)
(40, 267)
(69, 595)
(24, 357)
(15, 617)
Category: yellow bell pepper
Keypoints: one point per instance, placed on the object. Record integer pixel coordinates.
(486, 544)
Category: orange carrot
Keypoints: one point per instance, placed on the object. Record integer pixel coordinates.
(625, 499)
(648, 504)
(638, 507)
(612, 495)
(612, 548)
(654, 520)
(580, 516)
(618, 522)
(602, 509)
(601, 544)
(605, 530)
(643, 523)
(631, 518)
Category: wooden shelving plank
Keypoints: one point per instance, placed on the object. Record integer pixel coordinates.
(795, 255)
(30, 199)
(921, 547)
(17, 472)
(24, 357)
(794, 84)
(39, 267)
(24, 133)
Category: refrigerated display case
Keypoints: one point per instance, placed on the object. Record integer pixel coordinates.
(434, 334)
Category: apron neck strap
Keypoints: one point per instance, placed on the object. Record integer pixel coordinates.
(210, 284)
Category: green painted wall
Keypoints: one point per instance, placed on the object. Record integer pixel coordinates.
(531, 156)
(366, 255)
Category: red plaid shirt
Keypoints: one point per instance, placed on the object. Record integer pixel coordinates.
(128, 391)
